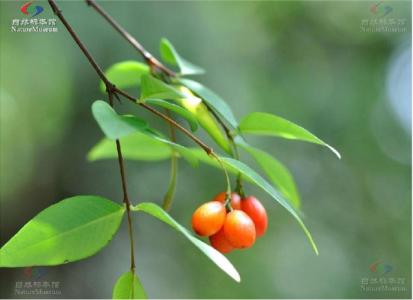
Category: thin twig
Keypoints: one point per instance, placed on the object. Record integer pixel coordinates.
(110, 91)
(204, 146)
(149, 58)
(239, 188)
(125, 192)
(170, 193)
(227, 202)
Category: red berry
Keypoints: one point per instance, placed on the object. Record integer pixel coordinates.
(235, 199)
(256, 211)
(239, 229)
(220, 242)
(209, 218)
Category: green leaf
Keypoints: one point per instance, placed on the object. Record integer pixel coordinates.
(268, 124)
(201, 156)
(205, 118)
(249, 173)
(125, 74)
(171, 56)
(70, 230)
(276, 172)
(177, 109)
(157, 89)
(113, 125)
(182, 150)
(136, 146)
(128, 286)
(220, 260)
(215, 101)
(154, 89)
(133, 150)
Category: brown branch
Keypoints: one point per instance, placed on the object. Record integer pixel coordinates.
(110, 90)
(204, 146)
(149, 58)
(125, 192)
(110, 86)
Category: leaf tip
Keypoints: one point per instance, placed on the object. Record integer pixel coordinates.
(334, 151)
(316, 250)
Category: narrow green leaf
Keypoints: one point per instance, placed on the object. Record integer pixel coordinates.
(220, 260)
(113, 125)
(276, 172)
(171, 56)
(176, 109)
(204, 117)
(128, 286)
(136, 146)
(133, 150)
(157, 89)
(201, 156)
(262, 183)
(268, 124)
(215, 101)
(182, 150)
(70, 230)
(125, 74)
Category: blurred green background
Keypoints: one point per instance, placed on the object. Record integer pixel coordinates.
(309, 62)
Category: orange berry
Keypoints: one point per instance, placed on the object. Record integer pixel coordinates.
(256, 211)
(220, 242)
(209, 218)
(239, 229)
(235, 199)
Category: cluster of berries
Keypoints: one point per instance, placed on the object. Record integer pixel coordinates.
(230, 227)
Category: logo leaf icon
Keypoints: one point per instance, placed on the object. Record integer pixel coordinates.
(27, 9)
